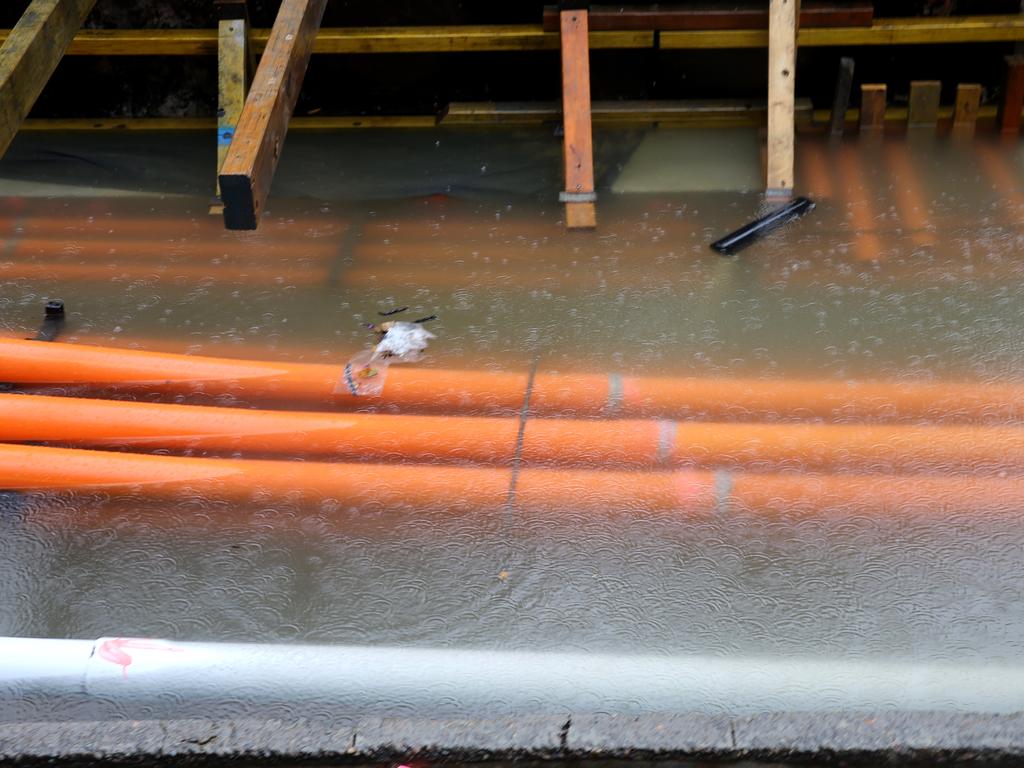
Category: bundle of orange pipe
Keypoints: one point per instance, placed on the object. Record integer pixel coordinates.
(682, 492)
(587, 443)
(32, 364)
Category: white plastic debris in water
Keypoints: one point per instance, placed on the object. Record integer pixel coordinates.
(364, 374)
(403, 342)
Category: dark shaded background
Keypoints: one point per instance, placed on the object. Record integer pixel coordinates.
(426, 83)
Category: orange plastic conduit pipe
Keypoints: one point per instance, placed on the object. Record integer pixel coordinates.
(589, 443)
(688, 492)
(34, 363)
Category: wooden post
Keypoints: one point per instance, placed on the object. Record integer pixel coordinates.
(256, 147)
(968, 101)
(579, 193)
(924, 103)
(841, 102)
(233, 73)
(1013, 95)
(30, 54)
(782, 15)
(872, 106)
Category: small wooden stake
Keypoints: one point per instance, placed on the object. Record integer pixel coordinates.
(872, 106)
(29, 55)
(968, 101)
(782, 16)
(1013, 95)
(249, 167)
(924, 103)
(580, 213)
(841, 102)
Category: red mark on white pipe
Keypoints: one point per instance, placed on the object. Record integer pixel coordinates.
(114, 650)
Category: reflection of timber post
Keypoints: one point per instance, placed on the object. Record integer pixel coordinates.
(579, 196)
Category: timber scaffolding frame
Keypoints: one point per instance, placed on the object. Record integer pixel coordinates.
(250, 137)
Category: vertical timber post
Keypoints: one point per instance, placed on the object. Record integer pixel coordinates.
(579, 196)
(872, 106)
(965, 114)
(924, 103)
(782, 17)
(1013, 95)
(841, 101)
(233, 73)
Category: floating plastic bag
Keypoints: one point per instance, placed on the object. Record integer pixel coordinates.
(403, 342)
(363, 375)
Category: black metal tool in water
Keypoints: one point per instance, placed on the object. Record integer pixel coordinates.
(53, 321)
(745, 235)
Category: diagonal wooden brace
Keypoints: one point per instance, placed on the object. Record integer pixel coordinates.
(29, 55)
(252, 158)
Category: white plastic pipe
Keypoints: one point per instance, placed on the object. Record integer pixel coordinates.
(157, 675)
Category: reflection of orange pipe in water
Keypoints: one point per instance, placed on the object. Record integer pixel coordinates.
(268, 274)
(55, 363)
(111, 249)
(910, 200)
(154, 227)
(683, 492)
(595, 443)
(867, 246)
(277, 347)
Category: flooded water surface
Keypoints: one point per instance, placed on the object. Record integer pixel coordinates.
(839, 482)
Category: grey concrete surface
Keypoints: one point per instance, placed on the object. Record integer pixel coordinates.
(816, 738)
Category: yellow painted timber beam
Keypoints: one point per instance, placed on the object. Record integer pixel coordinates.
(532, 37)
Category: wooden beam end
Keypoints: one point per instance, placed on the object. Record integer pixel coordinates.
(239, 203)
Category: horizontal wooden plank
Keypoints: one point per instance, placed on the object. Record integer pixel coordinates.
(527, 37)
(210, 123)
(948, 29)
(901, 114)
(610, 112)
(704, 16)
(936, 29)
(200, 42)
(892, 115)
